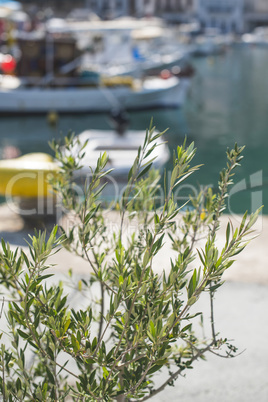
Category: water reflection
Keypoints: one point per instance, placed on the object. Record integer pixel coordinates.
(227, 103)
(31, 134)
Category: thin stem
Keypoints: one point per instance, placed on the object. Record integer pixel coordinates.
(133, 360)
(213, 232)
(211, 295)
(57, 387)
(128, 316)
(131, 183)
(102, 311)
(102, 335)
(228, 356)
(176, 374)
(143, 376)
(193, 238)
(3, 378)
(96, 273)
(9, 301)
(221, 198)
(2, 308)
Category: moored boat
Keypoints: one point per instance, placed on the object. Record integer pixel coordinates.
(18, 96)
(258, 37)
(50, 76)
(122, 150)
(25, 180)
(27, 176)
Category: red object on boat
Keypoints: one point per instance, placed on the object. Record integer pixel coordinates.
(165, 74)
(8, 64)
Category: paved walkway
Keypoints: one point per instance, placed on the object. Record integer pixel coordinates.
(241, 314)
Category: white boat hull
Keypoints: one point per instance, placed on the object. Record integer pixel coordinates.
(153, 93)
(121, 149)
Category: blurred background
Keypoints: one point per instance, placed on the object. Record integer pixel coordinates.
(217, 50)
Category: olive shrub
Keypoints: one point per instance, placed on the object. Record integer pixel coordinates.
(142, 321)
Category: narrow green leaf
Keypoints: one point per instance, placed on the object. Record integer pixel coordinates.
(192, 284)
(144, 171)
(23, 334)
(152, 328)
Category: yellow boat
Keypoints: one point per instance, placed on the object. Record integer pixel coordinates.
(27, 176)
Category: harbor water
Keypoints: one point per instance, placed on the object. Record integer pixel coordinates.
(227, 103)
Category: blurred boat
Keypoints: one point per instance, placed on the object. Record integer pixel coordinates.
(212, 42)
(258, 37)
(67, 95)
(124, 46)
(122, 150)
(50, 76)
(27, 175)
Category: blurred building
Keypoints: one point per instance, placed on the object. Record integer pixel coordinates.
(226, 15)
(176, 10)
(170, 9)
(256, 13)
(108, 9)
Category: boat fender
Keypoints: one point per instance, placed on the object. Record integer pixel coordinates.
(165, 74)
(8, 64)
(117, 80)
(52, 118)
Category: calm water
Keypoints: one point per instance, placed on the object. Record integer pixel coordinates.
(227, 103)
